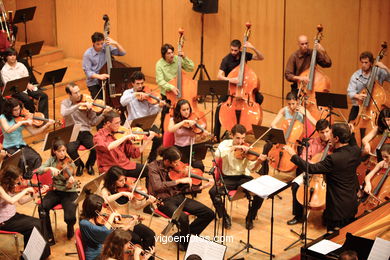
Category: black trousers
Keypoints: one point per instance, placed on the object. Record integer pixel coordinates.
(164, 111)
(33, 159)
(157, 142)
(24, 225)
(143, 236)
(94, 90)
(353, 113)
(67, 199)
(297, 208)
(43, 104)
(217, 124)
(84, 138)
(204, 215)
(232, 183)
(135, 172)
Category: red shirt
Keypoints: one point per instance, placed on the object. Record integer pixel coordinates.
(316, 145)
(115, 157)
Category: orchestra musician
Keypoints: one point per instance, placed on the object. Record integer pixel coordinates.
(64, 190)
(138, 106)
(112, 151)
(94, 59)
(181, 125)
(13, 70)
(86, 118)
(10, 220)
(360, 78)
(12, 124)
(117, 193)
(383, 124)
(288, 111)
(95, 226)
(236, 171)
(316, 145)
(118, 246)
(384, 164)
(340, 171)
(171, 192)
(228, 63)
(166, 69)
(299, 61)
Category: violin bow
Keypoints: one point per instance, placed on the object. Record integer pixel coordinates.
(190, 159)
(139, 177)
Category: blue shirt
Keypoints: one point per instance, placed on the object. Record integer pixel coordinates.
(12, 139)
(359, 80)
(93, 61)
(136, 108)
(288, 115)
(93, 237)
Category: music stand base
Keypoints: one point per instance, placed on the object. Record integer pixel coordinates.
(246, 247)
(300, 239)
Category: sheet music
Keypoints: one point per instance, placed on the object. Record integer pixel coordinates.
(264, 185)
(75, 132)
(35, 246)
(324, 247)
(380, 250)
(207, 250)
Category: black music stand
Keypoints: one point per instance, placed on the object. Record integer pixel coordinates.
(175, 221)
(201, 66)
(199, 152)
(15, 86)
(273, 135)
(51, 78)
(331, 101)
(67, 134)
(23, 16)
(29, 50)
(14, 159)
(122, 75)
(145, 122)
(214, 88)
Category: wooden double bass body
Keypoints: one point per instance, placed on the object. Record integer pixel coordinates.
(241, 107)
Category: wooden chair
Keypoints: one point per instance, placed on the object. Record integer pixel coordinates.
(14, 234)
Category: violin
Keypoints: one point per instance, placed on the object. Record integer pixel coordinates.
(103, 216)
(181, 171)
(138, 133)
(150, 98)
(252, 154)
(98, 105)
(140, 193)
(38, 119)
(197, 128)
(67, 170)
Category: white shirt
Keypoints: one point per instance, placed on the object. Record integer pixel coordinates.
(18, 71)
(232, 166)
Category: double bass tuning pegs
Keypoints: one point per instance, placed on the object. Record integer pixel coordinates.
(320, 28)
(384, 45)
(105, 18)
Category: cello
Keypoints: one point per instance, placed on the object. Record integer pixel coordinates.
(369, 109)
(187, 87)
(241, 108)
(318, 81)
(111, 91)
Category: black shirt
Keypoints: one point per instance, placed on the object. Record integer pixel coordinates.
(229, 62)
(341, 190)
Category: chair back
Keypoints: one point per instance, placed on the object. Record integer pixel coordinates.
(168, 139)
(218, 169)
(45, 178)
(79, 245)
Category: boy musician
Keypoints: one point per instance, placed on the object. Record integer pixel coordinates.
(235, 173)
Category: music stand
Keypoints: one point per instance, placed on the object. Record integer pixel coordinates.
(23, 16)
(90, 187)
(199, 152)
(175, 221)
(51, 78)
(214, 88)
(275, 136)
(122, 75)
(67, 134)
(14, 159)
(331, 101)
(15, 86)
(145, 122)
(29, 50)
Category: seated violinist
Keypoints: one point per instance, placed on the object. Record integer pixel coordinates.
(171, 192)
(117, 246)
(236, 171)
(383, 124)
(117, 193)
(95, 225)
(12, 124)
(115, 149)
(185, 126)
(135, 100)
(64, 190)
(288, 111)
(10, 220)
(384, 164)
(76, 110)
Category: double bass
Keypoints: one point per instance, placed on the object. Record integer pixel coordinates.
(318, 81)
(370, 108)
(111, 91)
(241, 107)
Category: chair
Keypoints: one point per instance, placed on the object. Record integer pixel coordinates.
(168, 139)
(46, 179)
(14, 234)
(79, 245)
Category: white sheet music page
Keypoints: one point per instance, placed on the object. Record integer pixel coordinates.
(35, 246)
(264, 185)
(324, 247)
(380, 250)
(207, 250)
